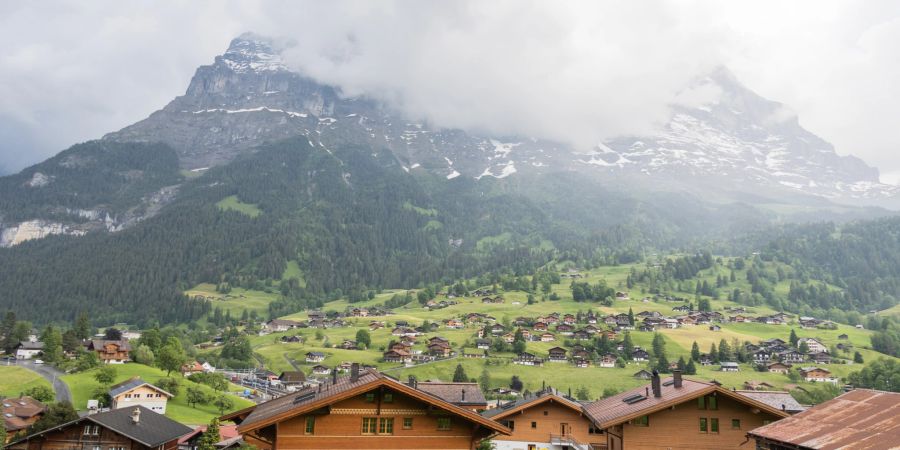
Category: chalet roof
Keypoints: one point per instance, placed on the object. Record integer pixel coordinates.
(293, 376)
(152, 430)
(859, 419)
(123, 345)
(132, 384)
(310, 399)
(614, 410)
(28, 345)
(521, 404)
(453, 392)
(776, 399)
(17, 412)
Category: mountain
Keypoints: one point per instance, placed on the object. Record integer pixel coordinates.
(739, 142)
(258, 168)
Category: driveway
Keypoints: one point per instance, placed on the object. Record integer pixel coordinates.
(52, 375)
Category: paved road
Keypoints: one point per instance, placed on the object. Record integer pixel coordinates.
(52, 375)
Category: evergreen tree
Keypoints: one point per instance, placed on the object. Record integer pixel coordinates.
(516, 384)
(793, 338)
(804, 347)
(695, 352)
(713, 353)
(210, 437)
(690, 368)
(70, 341)
(52, 339)
(83, 329)
(459, 375)
(662, 364)
(659, 345)
(630, 316)
(681, 363)
(858, 357)
(725, 351)
(627, 346)
(6, 331)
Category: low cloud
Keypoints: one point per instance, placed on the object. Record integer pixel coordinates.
(579, 72)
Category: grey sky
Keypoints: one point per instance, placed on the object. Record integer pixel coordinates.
(578, 71)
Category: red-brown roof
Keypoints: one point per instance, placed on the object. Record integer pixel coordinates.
(22, 412)
(859, 419)
(312, 398)
(614, 410)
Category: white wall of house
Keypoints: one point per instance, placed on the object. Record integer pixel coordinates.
(26, 354)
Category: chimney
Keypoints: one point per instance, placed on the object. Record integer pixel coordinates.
(654, 384)
(412, 381)
(464, 395)
(354, 372)
(677, 374)
(334, 375)
(136, 415)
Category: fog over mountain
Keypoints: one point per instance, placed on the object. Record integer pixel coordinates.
(578, 73)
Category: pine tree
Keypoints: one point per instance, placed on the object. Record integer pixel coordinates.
(725, 351)
(82, 326)
(484, 380)
(690, 368)
(695, 352)
(858, 358)
(459, 375)
(210, 437)
(52, 339)
(662, 364)
(6, 331)
(681, 363)
(627, 346)
(630, 316)
(793, 338)
(713, 353)
(659, 345)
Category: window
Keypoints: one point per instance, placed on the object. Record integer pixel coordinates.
(386, 426)
(87, 430)
(370, 397)
(388, 397)
(310, 424)
(701, 403)
(545, 413)
(703, 428)
(407, 423)
(533, 424)
(713, 403)
(443, 423)
(127, 395)
(643, 421)
(97, 447)
(368, 425)
(511, 424)
(96, 430)
(735, 424)
(713, 425)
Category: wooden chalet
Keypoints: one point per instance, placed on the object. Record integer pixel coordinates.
(134, 428)
(557, 354)
(110, 352)
(548, 420)
(19, 414)
(679, 413)
(364, 410)
(777, 367)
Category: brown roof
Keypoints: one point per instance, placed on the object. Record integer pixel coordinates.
(23, 412)
(312, 398)
(122, 345)
(776, 399)
(613, 410)
(859, 419)
(452, 392)
(525, 403)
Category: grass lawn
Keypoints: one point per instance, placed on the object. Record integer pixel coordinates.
(235, 301)
(14, 380)
(232, 203)
(82, 385)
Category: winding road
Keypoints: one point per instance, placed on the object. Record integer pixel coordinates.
(52, 375)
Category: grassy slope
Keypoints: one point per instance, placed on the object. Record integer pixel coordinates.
(237, 300)
(278, 356)
(232, 203)
(14, 380)
(83, 385)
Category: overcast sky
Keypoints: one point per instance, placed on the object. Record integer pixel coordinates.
(71, 71)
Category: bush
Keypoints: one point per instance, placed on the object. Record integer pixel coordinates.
(171, 385)
(40, 393)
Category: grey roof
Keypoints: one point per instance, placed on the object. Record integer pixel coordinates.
(128, 385)
(28, 345)
(776, 399)
(153, 429)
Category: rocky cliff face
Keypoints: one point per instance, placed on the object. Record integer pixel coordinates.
(738, 142)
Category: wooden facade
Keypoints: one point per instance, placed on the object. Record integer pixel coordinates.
(547, 421)
(370, 412)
